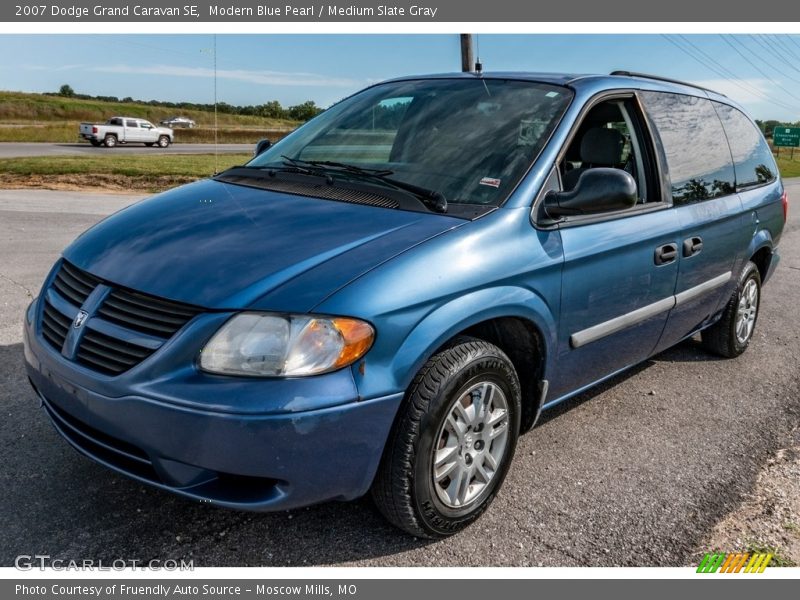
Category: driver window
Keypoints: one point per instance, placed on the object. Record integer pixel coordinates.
(608, 138)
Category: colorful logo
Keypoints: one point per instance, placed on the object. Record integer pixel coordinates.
(745, 562)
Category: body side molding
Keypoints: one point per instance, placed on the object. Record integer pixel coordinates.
(601, 330)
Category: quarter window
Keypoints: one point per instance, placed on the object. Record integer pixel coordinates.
(697, 153)
(752, 158)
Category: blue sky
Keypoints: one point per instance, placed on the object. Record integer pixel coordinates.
(760, 71)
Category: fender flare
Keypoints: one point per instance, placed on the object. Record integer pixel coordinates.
(463, 312)
(761, 239)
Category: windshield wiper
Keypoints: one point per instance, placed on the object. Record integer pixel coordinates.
(431, 198)
(290, 166)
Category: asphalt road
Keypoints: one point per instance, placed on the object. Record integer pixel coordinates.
(633, 473)
(21, 150)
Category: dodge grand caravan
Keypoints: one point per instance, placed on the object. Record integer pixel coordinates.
(386, 298)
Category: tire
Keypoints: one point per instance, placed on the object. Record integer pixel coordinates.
(163, 141)
(731, 335)
(110, 141)
(95, 143)
(446, 396)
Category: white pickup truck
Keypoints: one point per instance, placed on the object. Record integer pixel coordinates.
(126, 130)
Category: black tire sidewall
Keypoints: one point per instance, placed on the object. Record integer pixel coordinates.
(163, 141)
(750, 272)
(431, 512)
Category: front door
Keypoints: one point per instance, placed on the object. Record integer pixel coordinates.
(620, 270)
(132, 131)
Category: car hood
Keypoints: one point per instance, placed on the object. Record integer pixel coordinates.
(220, 245)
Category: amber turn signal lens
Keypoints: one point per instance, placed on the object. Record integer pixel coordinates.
(358, 337)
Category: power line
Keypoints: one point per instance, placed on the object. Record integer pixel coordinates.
(715, 66)
(785, 46)
(768, 47)
(793, 41)
(717, 71)
(756, 67)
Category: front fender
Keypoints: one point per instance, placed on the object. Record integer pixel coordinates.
(444, 323)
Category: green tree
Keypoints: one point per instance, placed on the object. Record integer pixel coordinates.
(272, 109)
(305, 111)
(66, 91)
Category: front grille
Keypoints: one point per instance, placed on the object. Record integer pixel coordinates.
(136, 324)
(73, 284)
(54, 326)
(145, 313)
(108, 355)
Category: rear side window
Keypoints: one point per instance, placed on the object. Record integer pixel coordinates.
(698, 157)
(752, 158)
(131, 124)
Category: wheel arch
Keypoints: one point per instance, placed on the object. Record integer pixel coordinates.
(516, 320)
(762, 257)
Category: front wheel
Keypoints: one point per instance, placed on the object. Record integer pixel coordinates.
(731, 335)
(163, 141)
(453, 441)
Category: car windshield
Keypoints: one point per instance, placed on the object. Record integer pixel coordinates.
(469, 139)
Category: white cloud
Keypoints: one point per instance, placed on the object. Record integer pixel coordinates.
(276, 78)
(51, 67)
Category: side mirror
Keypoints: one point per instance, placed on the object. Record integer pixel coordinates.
(261, 146)
(598, 190)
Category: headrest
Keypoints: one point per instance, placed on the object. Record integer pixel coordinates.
(601, 146)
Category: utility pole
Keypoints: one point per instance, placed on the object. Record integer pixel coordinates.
(213, 51)
(467, 57)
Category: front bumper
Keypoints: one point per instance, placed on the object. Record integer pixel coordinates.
(269, 460)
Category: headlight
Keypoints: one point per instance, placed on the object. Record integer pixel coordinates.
(265, 345)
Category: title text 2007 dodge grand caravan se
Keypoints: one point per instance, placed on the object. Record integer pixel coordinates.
(387, 297)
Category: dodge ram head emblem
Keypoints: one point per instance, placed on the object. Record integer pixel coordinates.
(80, 319)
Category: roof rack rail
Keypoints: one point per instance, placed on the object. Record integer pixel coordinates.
(666, 79)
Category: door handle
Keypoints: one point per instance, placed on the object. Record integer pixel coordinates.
(666, 254)
(692, 246)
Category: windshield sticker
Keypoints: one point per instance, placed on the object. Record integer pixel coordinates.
(490, 181)
(551, 94)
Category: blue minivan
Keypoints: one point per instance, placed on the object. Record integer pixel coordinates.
(386, 298)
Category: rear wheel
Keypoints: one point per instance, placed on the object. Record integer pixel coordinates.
(163, 141)
(731, 335)
(110, 141)
(453, 442)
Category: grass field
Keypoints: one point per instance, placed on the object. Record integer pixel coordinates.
(44, 118)
(109, 172)
(787, 166)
